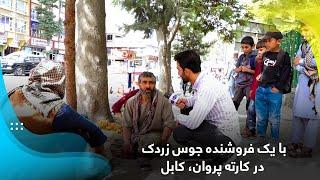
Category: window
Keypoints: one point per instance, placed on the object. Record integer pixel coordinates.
(21, 26)
(21, 6)
(37, 33)
(6, 3)
(7, 23)
(34, 14)
(109, 37)
(138, 63)
(32, 59)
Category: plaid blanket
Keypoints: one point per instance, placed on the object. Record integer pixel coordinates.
(46, 86)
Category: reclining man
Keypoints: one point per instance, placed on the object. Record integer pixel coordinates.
(148, 118)
(40, 106)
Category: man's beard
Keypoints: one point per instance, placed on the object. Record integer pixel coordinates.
(148, 92)
(184, 79)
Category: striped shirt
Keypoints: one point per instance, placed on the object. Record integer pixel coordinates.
(212, 102)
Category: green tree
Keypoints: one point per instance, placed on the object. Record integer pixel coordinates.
(167, 17)
(47, 25)
(190, 37)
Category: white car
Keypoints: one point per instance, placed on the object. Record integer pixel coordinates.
(20, 63)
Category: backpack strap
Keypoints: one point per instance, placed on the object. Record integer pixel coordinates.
(240, 59)
(280, 55)
(252, 61)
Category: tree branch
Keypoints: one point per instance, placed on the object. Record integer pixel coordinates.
(175, 30)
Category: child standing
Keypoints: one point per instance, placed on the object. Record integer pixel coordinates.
(273, 82)
(251, 113)
(245, 68)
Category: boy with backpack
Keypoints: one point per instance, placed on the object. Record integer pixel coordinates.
(275, 80)
(245, 69)
(251, 113)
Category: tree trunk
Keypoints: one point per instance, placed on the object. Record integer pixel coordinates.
(69, 41)
(91, 60)
(165, 82)
(169, 84)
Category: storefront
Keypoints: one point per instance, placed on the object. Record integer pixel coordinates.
(13, 46)
(58, 47)
(3, 44)
(37, 45)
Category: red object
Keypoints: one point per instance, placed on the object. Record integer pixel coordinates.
(255, 83)
(116, 107)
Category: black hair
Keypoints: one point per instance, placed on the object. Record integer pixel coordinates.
(247, 40)
(146, 74)
(261, 44)
(189, 59)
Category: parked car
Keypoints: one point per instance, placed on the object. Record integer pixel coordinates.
(20, 63)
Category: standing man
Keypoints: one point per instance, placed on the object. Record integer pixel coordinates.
(148, 119)
(305, 121)
(213, 120)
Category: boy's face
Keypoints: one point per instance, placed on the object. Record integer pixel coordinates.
(261, 51)
(246, 48)
(272, 44)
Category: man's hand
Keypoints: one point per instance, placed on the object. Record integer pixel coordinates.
(296, 61)
(258, 78)
(239, 69)
(274, 90)
(244, 69)
(181, 103)
(250, 93)
(310, 72)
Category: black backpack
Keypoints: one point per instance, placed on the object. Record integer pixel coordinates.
(288, 84)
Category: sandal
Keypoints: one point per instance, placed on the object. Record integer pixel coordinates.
(303, 152)
(245, 132)
(249, 134)
(294, 146)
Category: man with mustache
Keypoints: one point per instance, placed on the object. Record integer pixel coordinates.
(148, 118)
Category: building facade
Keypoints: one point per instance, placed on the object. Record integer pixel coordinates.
(19, 27)
(14, 25)
(254, 29)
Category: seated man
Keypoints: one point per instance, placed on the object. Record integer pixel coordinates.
(148, 118)
(213, 120)
(40, 106)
